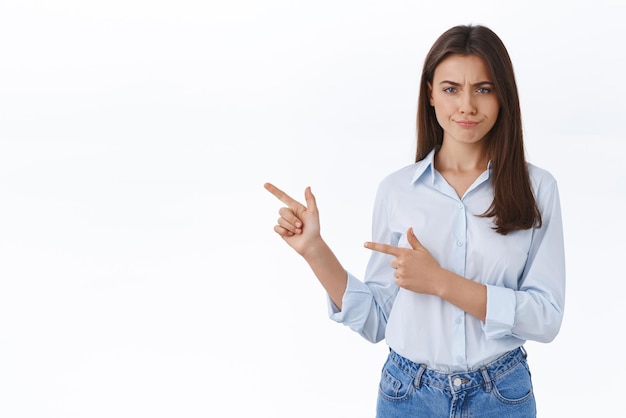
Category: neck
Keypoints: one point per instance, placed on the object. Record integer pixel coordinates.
(461, 157)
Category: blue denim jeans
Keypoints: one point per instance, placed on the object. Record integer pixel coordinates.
(502, 389)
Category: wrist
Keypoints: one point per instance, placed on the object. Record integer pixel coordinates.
(443, 281)
(315, 250)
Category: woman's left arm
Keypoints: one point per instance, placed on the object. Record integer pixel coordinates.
(534, 311)
(418, 271)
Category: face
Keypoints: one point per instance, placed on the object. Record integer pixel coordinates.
(463, 96)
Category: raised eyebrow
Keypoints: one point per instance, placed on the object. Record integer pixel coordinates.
(479, 84)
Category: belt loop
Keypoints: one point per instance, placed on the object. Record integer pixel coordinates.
(524, 353)
(417, 382)
(485, 374)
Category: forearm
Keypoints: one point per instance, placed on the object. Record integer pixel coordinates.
(327, 269)
(464, 293)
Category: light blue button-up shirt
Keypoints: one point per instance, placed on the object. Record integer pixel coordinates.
(524, 272)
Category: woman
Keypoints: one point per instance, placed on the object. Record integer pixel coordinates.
(468, 260)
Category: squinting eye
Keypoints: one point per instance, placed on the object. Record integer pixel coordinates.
(483, 90)
(450, 90)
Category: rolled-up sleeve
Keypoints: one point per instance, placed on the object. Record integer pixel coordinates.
(359, 312)
(500, 312)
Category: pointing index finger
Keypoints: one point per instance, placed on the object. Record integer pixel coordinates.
(282, 196)
(383, 248)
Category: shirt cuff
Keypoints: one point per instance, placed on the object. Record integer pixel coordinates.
(354, 292)
(500, 316)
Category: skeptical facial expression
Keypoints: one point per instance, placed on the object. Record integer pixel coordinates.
(463, 96)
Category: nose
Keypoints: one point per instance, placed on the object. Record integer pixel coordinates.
(466, 103)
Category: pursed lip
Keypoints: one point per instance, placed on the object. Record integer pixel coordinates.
(466, 123)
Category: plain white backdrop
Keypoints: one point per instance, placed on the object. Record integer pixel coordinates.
(139, 273)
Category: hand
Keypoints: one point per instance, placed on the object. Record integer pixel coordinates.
(298, 225)
(415, 268)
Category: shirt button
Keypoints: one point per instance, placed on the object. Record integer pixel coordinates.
(459, 360)
(459, 243)
(460, 206)
(458, 320)
(457, 381)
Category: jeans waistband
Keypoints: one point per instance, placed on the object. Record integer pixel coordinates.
(461, 381)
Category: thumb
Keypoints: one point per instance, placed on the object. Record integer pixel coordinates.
(311, 204)
(412, 239)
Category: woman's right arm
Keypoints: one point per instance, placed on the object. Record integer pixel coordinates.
(299, 226)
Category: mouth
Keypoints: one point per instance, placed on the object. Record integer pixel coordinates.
(466, 123)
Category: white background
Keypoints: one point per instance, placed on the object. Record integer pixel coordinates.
(139, 273)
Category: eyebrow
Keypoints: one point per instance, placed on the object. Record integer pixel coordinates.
(479, 84)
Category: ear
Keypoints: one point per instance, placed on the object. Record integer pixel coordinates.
(430, 92)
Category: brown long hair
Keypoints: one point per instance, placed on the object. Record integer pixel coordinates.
(514, 206)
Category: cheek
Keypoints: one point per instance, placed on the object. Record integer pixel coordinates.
(443, 109)
(441, 116)
(493, 109)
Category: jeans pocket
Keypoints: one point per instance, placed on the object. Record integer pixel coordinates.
(395, 384)
(514, 386)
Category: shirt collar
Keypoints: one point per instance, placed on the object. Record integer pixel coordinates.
(424, 165)
(427, 164)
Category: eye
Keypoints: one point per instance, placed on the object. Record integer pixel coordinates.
(483, 90)
(449, 90)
